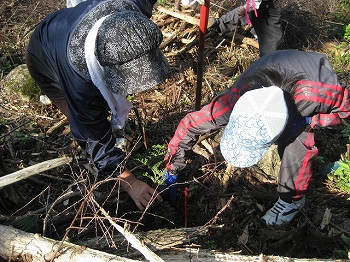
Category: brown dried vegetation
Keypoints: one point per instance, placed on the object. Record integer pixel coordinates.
(48, 203)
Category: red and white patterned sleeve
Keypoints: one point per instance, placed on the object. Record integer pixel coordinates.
(211, 117)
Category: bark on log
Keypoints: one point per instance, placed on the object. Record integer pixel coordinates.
(25, 246)
(157, 240)
(16, 244)
(33, 170)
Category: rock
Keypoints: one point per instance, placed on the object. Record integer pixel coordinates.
(346, 225)
(45, 100)
(270, 163)
(20, 82)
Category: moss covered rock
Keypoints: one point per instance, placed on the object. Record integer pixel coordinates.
(20, 82)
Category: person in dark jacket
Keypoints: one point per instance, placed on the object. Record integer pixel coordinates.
(86, 59)
(281, 98)
(262, 15)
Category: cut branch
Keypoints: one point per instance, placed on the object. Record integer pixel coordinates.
(187, 18)
(33, 170)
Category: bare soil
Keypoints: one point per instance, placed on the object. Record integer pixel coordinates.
(231, 207)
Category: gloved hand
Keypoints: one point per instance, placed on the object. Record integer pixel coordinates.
(301, 122)
(297, 126)
(168, 188)
(308, 120)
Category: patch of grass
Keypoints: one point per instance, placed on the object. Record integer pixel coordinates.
(164, 3)
(343, 12)
(340, 57)
(341, 176)
(342, 253)
(347, 32)
(4, 122)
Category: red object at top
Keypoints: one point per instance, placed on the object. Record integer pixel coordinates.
(203, 22)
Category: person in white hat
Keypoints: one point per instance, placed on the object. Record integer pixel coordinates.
(281, 99)
(87, 59)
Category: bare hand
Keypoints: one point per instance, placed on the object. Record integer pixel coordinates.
(143, 194)
(241, 11)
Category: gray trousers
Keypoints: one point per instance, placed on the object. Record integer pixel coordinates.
(267, 25)
(296, 160)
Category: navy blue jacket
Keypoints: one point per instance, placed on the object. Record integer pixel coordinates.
(88, 111)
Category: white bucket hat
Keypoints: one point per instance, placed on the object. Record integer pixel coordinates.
(257, 120)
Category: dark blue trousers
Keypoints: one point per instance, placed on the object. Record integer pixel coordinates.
(267, 25)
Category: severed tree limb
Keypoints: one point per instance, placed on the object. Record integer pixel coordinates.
(201, 151)
(33, 170)
(174, 36)
(56, 126)
(189, 19)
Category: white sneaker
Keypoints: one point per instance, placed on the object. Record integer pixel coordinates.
(282, 212)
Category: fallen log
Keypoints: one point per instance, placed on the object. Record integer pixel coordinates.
(196, 254)
(33, 170)
(19, 245)
(156, 240)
